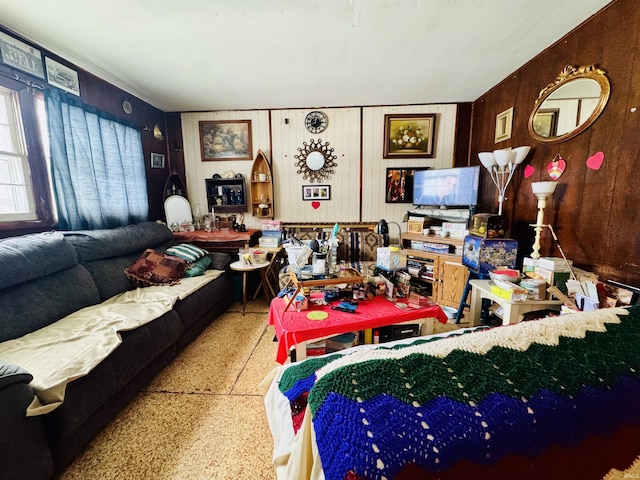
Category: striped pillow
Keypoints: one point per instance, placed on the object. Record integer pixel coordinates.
(187, 252)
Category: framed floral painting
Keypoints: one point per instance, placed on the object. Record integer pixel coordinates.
(409, 135)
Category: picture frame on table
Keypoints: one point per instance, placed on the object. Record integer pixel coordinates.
(409, 135)
(157, 160)
(316, 192)
(399, 185)
(21, 56)
(225, 140)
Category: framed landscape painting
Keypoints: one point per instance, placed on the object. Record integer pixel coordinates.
(225, 140)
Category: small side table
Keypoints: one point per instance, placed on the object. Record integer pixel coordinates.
(481, 289)
(244, 269)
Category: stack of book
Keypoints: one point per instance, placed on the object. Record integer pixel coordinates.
(271, 234)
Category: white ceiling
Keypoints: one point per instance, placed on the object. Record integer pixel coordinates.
(199, 55)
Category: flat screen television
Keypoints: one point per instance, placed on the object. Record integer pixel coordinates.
(446, 187)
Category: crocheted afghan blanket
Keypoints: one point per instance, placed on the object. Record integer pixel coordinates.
(559, 396)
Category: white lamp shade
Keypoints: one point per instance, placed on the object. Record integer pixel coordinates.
(502, 156)
(543, 188)
(487, 159)
(519, 154)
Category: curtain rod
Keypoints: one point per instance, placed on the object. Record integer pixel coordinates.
(26, 81)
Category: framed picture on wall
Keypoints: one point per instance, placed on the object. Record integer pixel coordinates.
(409, 135)
(20, 55)
(316, 192)
(157, 160)
(399, 185)
(62, 76)
(225, 140)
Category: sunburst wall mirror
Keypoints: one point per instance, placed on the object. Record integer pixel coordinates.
(315, 161)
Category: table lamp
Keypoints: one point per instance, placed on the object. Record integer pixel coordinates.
(501, 164)
(542, 190)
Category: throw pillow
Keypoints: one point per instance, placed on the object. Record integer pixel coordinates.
(198, 267)
(187, 252)
(155, 268)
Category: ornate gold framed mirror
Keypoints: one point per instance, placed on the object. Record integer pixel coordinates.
(569, 105)
(315, 161)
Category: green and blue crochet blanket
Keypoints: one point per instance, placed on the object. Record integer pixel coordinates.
(538, 389)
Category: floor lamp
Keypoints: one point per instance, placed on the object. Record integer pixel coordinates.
(501, 164)
(542, 190)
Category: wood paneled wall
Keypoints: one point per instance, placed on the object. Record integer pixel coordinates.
(594, 212)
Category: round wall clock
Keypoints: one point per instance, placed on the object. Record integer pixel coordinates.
(316, 121)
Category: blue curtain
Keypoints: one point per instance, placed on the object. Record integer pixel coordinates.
(97, 164)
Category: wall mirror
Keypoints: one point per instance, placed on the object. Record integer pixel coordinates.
(316, 161)
(570, 104)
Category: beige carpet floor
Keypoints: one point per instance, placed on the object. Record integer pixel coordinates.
(203, 416)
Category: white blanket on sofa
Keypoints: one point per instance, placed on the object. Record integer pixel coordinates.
(74, 345)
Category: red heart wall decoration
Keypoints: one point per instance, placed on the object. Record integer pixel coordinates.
(315, 205)
(594, 162)
(528, 171)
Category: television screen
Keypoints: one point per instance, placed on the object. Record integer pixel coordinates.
(446, 187)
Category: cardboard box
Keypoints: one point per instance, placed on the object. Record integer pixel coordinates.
(271, 225)
(486, 225)
(510, 296)
(558, 279)
(415, 226)
(454, 229)
(484, 254)
(555, 264)
(537, 288)
(388, 259)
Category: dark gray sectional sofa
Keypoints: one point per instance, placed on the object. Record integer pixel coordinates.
(46, 277)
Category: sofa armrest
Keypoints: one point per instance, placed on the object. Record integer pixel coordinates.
(220, 260)
(10, 374)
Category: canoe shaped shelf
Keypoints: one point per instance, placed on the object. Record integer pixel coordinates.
(262, 187)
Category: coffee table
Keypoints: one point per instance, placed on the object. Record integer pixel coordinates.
(481, 289)
(294, 329)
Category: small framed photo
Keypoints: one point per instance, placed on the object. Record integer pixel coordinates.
(504, 122)
(399, 185)
(62, 77)
(225, 140)
(21, 56)
(409, 135)
(157, 160)
(316, 192)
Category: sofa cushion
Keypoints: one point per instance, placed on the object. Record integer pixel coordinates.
(46, 299)
(155, 268)
(187, 252)
(94, 245)
(33, 256)
(198, 267)
(10, 374)
(86, 394)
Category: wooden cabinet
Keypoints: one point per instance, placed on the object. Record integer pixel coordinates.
(262, 187)
(226, 195)
(440, 275)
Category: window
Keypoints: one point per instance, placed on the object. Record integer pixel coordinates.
(16, 192)
(25, 193)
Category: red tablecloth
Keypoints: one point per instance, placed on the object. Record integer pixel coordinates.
(293, 327)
